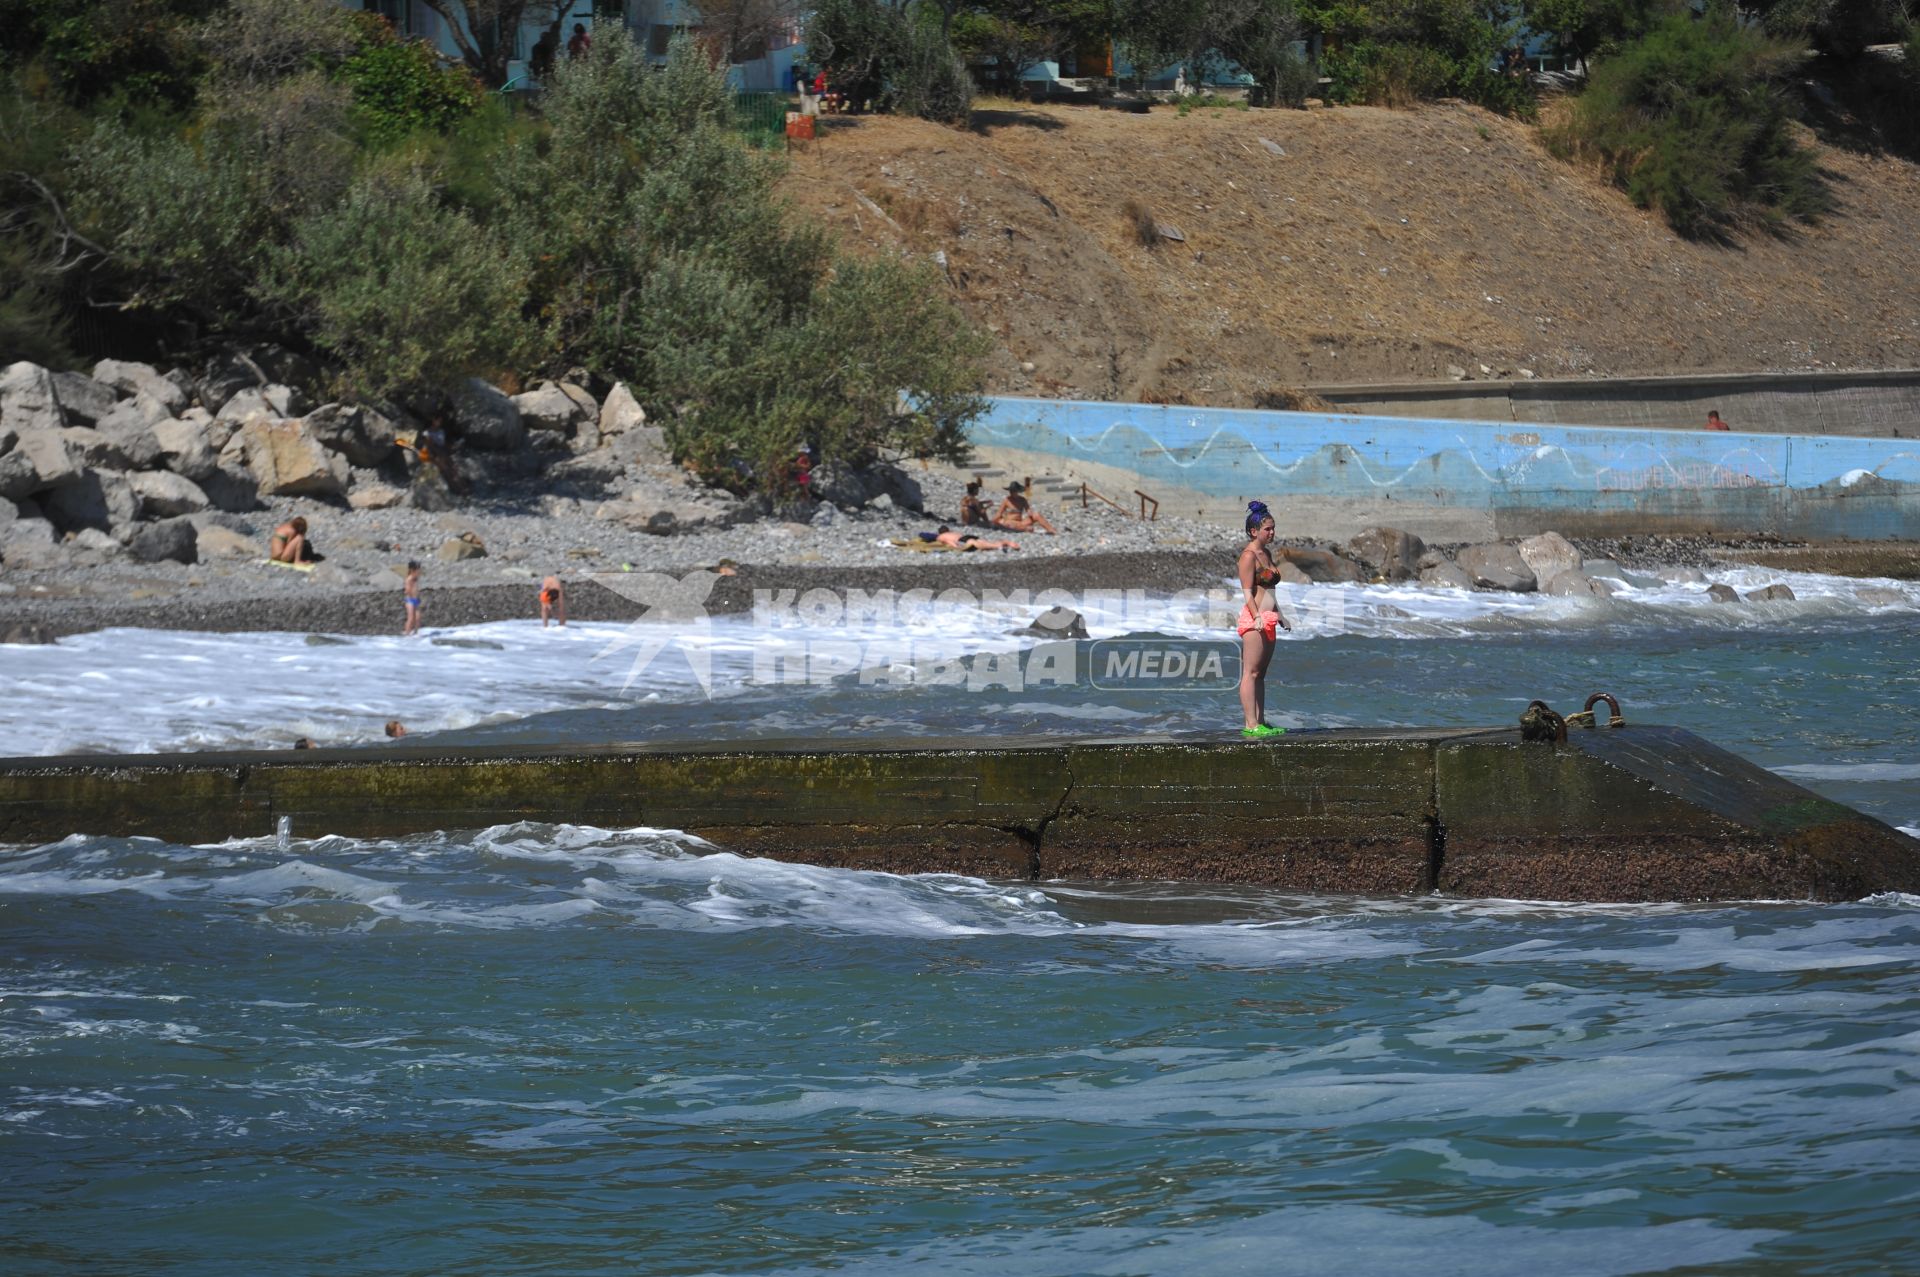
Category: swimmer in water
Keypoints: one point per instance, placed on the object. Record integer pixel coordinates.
(1259, 622)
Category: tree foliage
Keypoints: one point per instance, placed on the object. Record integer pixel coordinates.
(898, 58)
(1695, 119)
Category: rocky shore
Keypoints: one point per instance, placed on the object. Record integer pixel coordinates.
(132, 497)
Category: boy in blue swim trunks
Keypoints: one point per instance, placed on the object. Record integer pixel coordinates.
(410, 591)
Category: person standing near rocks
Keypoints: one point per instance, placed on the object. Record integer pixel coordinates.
(1259, 622)
(553, 602)
(410, 591)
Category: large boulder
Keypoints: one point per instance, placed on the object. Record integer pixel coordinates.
(465, 546)
(232, 488)
(287, 461)
(1577, 584)
(1389, 551)
(97, 450)
(27, 399)
(1772, 594)
(840, 485)
(549, 407)
(644, 447)
(141, 379)
(587, 435)
(1446, 576)
(1721, 593)
(102, 499)
(247, 405)
(1548, 555)
(129, 427)
(285, 400)
(488, 419)
(37, 461)
(185, 449)
(375, 496)
(216, 542)
(226, 375)
(1057, 623)
(1497, 566)
(285, 367)
(165, 496)
(31, 543)
(1323, 567)
(594, 471)
(171, 540)
(621, 412)
(361, 435)
(82, 399)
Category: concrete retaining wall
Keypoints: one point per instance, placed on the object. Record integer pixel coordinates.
(1638, 813)
(1869, 404)
(1330, 475)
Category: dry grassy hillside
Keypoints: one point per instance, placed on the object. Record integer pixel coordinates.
(1381, 245)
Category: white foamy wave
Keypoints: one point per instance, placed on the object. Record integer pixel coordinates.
(147, 691)
(1852, 771)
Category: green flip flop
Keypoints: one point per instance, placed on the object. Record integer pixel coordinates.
(1260, 730)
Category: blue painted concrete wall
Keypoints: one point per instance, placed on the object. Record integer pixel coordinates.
(1576, 479)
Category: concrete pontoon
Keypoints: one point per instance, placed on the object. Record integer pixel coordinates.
(1634, 813)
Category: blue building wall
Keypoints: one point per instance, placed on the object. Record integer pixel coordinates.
(1575, 479)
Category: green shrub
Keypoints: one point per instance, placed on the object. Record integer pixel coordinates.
(1400, 53)
(126, 52)
(400, 86)
(189, 222)
(1694, 120)
(33, 324)
(931, 82)
(892, 57)
(404, 292)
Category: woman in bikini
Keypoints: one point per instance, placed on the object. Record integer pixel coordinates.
(1260, 621)
(289, 543)
(1016, 514)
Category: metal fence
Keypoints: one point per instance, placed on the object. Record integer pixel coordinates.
(762, 119)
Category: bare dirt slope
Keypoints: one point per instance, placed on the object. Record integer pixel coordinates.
(1381, 246)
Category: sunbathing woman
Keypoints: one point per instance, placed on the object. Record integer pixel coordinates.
(973, 511)
(1015, 515)
(1259, 623)
(289, 543)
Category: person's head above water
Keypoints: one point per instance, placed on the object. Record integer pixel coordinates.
(1257, 514)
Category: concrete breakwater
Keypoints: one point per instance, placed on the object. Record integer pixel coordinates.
(1634, 813)
(1331, 475)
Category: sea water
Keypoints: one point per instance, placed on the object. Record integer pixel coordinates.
(579, 1050)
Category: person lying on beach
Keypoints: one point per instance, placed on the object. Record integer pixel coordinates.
(1016, 515)
(965, 540)
(290, 544)
(553, 602)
